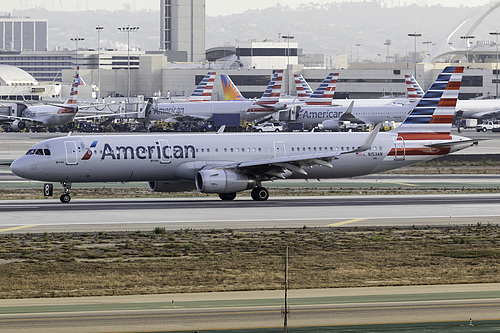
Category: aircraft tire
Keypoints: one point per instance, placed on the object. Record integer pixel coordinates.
(260, 194)
(70, 125)
(227, 196)
(65, 198)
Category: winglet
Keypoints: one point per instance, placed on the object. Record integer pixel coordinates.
(368, 142)
(348, 113)
(221, 129)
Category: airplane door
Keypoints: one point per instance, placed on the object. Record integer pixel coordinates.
(279, 148)
(165, 152)
(71, 158)
(399, 149)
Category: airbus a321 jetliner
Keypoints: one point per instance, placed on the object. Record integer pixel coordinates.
(234, 162)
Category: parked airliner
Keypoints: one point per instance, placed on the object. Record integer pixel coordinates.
(49, 115)
(228, 163)
(248, 109)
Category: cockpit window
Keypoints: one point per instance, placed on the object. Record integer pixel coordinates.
(45, 152)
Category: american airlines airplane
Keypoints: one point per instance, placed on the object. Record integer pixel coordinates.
(248, 109)
(49, 115)
(227, 163)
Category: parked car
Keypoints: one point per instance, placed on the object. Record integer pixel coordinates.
(488, 125)
(268, 127)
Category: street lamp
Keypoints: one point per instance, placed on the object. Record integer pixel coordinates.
(428, 42)
(128, 29)
(288, 37)
(98, 28)
(466, 38)
(387, 43)
(496, 33)
(416, 35)
(76, 39)
(357, 52)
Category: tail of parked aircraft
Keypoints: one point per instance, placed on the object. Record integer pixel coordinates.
(271, 95)
(410, 88)
(71, 101)
(303, 89)
(203, 92)
(417, 87)
(323, 95)
(435, 111)
(231, 92)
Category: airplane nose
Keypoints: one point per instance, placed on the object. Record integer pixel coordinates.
(18, 167)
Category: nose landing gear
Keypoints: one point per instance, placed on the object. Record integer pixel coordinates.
(65, 197)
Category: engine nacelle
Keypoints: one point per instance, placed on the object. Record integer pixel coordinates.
(279, 106)
(223, 181)
(331, 124)
(18, 125)
(171, 186)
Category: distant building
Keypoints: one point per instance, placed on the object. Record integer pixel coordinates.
(182, 27)
(23, 34)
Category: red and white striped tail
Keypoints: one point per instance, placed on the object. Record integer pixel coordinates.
(203, 92)
(323, 95)
(435, 111)
(74, 88)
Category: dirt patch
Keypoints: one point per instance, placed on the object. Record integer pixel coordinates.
(160, 261)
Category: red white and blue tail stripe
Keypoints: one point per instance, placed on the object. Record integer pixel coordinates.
(323, 95)
(303, 89)
(435, 111)
(74, 88)
(203, 92)
(272, 93)
(417, 87)
(410, 88)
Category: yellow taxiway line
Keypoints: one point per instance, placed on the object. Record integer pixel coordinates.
(20, 227)
(344, 222)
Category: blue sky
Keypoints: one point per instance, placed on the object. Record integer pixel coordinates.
(214, 7)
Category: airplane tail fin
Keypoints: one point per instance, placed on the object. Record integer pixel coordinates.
(302, 87)
(417, 87)
(231, 92)
(410, 88)
(435, 111)
(203, 92)
(272, 93)
(323, 95)
(74, 89)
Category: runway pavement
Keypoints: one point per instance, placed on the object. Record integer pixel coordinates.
(402, 307)
(279, 212)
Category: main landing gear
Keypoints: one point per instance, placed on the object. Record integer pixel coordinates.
(258, 194)
(65, 197)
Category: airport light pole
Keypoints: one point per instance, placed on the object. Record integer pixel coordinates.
(288, 37)
(388, 44)
(98, 28)
(357, 52)
(416, 35)
(77, 39)
(496, 33)
(466, 38)
(128, 29)
(427, 42)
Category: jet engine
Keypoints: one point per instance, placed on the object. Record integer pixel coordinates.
(171, 186)
(331, 124)
(18, 125)
(223, 181)
(279, 106)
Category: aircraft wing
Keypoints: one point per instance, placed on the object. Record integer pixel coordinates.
(21, 119)
(276, 166)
